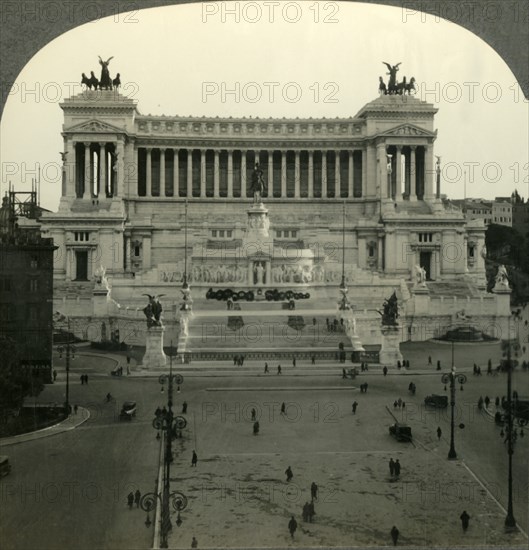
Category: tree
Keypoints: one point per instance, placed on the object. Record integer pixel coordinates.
(16, 382)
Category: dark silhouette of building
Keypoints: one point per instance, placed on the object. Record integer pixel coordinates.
(26, 283)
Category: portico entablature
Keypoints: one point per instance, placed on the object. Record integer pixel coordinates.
(95, 130)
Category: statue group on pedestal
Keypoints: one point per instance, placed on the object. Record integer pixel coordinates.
(153, 311)
(393, 86)
(501, 277)
(105, 82)
(391, 311)
(420, 275)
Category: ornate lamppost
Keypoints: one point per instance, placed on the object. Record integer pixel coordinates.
(509, 435)
(451, 378)
(69, 349)
(170, 425)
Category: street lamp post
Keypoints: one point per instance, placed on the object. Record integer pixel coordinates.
(451, 379)
(69, 351)
(510, 436)
(170, 425)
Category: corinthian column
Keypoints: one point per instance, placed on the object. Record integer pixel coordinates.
(230, 174)
(297, 176)
(324, 174)
(311, 175)
(202, 173)
(162, 173)
(216, 175)
(148, 192)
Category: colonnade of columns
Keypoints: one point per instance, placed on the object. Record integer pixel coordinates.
(97, 169)
(228, 173)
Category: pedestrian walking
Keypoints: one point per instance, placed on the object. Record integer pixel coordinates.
(312, 512)
(292, 526)
(395, 535)
(487, 401)
(385, 371)
(391, 467)
(82, 379)
(305, 513)
(130, 499)
(128, 370)
(397, 468)
(137, 498)
(429, 359)
(235, 359)
(395, 404)
(184, 407)
(294, 362)
(355, 405)
(314, 491)
(465, 518)
(313, 359)
(278, 369)
(403, 405)
(75, 407)
(266, 368)
(344, 374)
(254, 415)
(128, 359)
(438, 364)
(439, 433)
(497, 401)
(289, 473)
(194, 543)
(54, 375)
(255, 428)
(399, 402)
(399, 366)
(283, 408)
(194, 460)
(314, 321)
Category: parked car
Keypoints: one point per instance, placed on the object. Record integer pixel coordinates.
(5, 466)
(401, 432)
(128, 410)
(438, 401)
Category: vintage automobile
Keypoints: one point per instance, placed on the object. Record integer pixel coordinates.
(401, 432)
(5, 467)
(128, 410)
(439, 401)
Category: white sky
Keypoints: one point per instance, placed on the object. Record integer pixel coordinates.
(165, 55)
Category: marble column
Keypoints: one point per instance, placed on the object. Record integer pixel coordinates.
(148, 191)
(324, 174)
(87, 191)
(250, 273)
(364, 172)
(189, 173)
(102, 189)
(119, 177)
(337, 175)
(216, 175)
(297, 176)
(202, 173)
(350, 192)
(243, 174)
(230, 174)
(162, 172)
(398, 176)
(428, 173)
(270, 173)
(382, 171)
(311, 175)
(413, 174)
(283, 174)
(176, 178)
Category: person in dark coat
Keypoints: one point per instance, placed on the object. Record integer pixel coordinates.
(278, 369)
(314, 490)
(312, 512)
(130, 499)
(266, 368)
(385, 371)
(254, 415)
(283, 408)
(294, 362)
(306, 512)
(344, 375)
(391, 467)
(289, 473)
(394, 535)
(439, 433)
(255, 428)
(137, 498)
(194, 543)
(355, 405)
(397, 468)
(184, 407)
(292, 526)
(465, 518)
(194, 460)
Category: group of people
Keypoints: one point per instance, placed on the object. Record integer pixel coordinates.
(84, 379)
(399, 404)
(394, 468)
(464, 517)
(333, 326)
(405, 363)
(238, 360)
(134, 498)
(308, 511)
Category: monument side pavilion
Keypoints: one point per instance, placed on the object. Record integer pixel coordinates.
(129, 179)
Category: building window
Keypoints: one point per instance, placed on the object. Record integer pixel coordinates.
(221, 233)
(229, 234)
(34, 262)
(471, 251)
(81, 236)
(137, 250)
(33, 285)
(214, 233)
(294, 234)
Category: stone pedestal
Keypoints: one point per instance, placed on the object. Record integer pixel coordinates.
(421, 299)
(154, 357)
(390, 350)
(100, 302)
